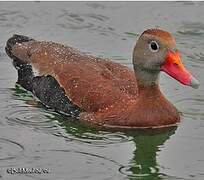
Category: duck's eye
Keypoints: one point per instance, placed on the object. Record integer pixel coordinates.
(153, 46)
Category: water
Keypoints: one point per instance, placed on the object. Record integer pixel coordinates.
(33, 137)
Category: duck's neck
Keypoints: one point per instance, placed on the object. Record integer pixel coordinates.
(148, 81)
(146, 77)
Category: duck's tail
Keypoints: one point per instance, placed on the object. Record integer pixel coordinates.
(25, 72)
(46, 88)
(15, 39)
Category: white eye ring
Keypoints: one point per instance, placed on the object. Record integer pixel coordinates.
(153, 46)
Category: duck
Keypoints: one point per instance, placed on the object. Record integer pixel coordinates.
(97, 90)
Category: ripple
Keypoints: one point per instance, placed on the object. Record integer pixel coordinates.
(57, 124)
(95, 5)
(83, 133)
(84, 153)
(91, 21)
(193, 29)
(138, 171)
(24, 111)
(98, 139)
(194, 108)
(10, 19)
(79, 164)
(31, 117)
(106, 138)
(132, 34)
(196, 59)
(9, 149)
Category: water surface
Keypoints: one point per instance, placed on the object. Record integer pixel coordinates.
(33, 137)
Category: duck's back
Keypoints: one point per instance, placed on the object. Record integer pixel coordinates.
(91, 83)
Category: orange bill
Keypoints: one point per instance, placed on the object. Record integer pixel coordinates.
(174, 67)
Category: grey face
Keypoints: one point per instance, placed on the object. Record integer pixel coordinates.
(150, 51)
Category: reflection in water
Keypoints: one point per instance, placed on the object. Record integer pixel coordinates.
(144, 163)
(147, 144)
(9, 149)
(39, 117)
(83, 133)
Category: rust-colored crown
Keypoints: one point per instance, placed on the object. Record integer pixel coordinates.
(160, 33)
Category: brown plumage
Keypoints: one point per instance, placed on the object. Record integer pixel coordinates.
(91, 83)
(111, 95)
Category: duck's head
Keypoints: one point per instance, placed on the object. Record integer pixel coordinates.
(156, 51)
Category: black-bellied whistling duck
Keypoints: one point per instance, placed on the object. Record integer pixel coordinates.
(98, 90)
